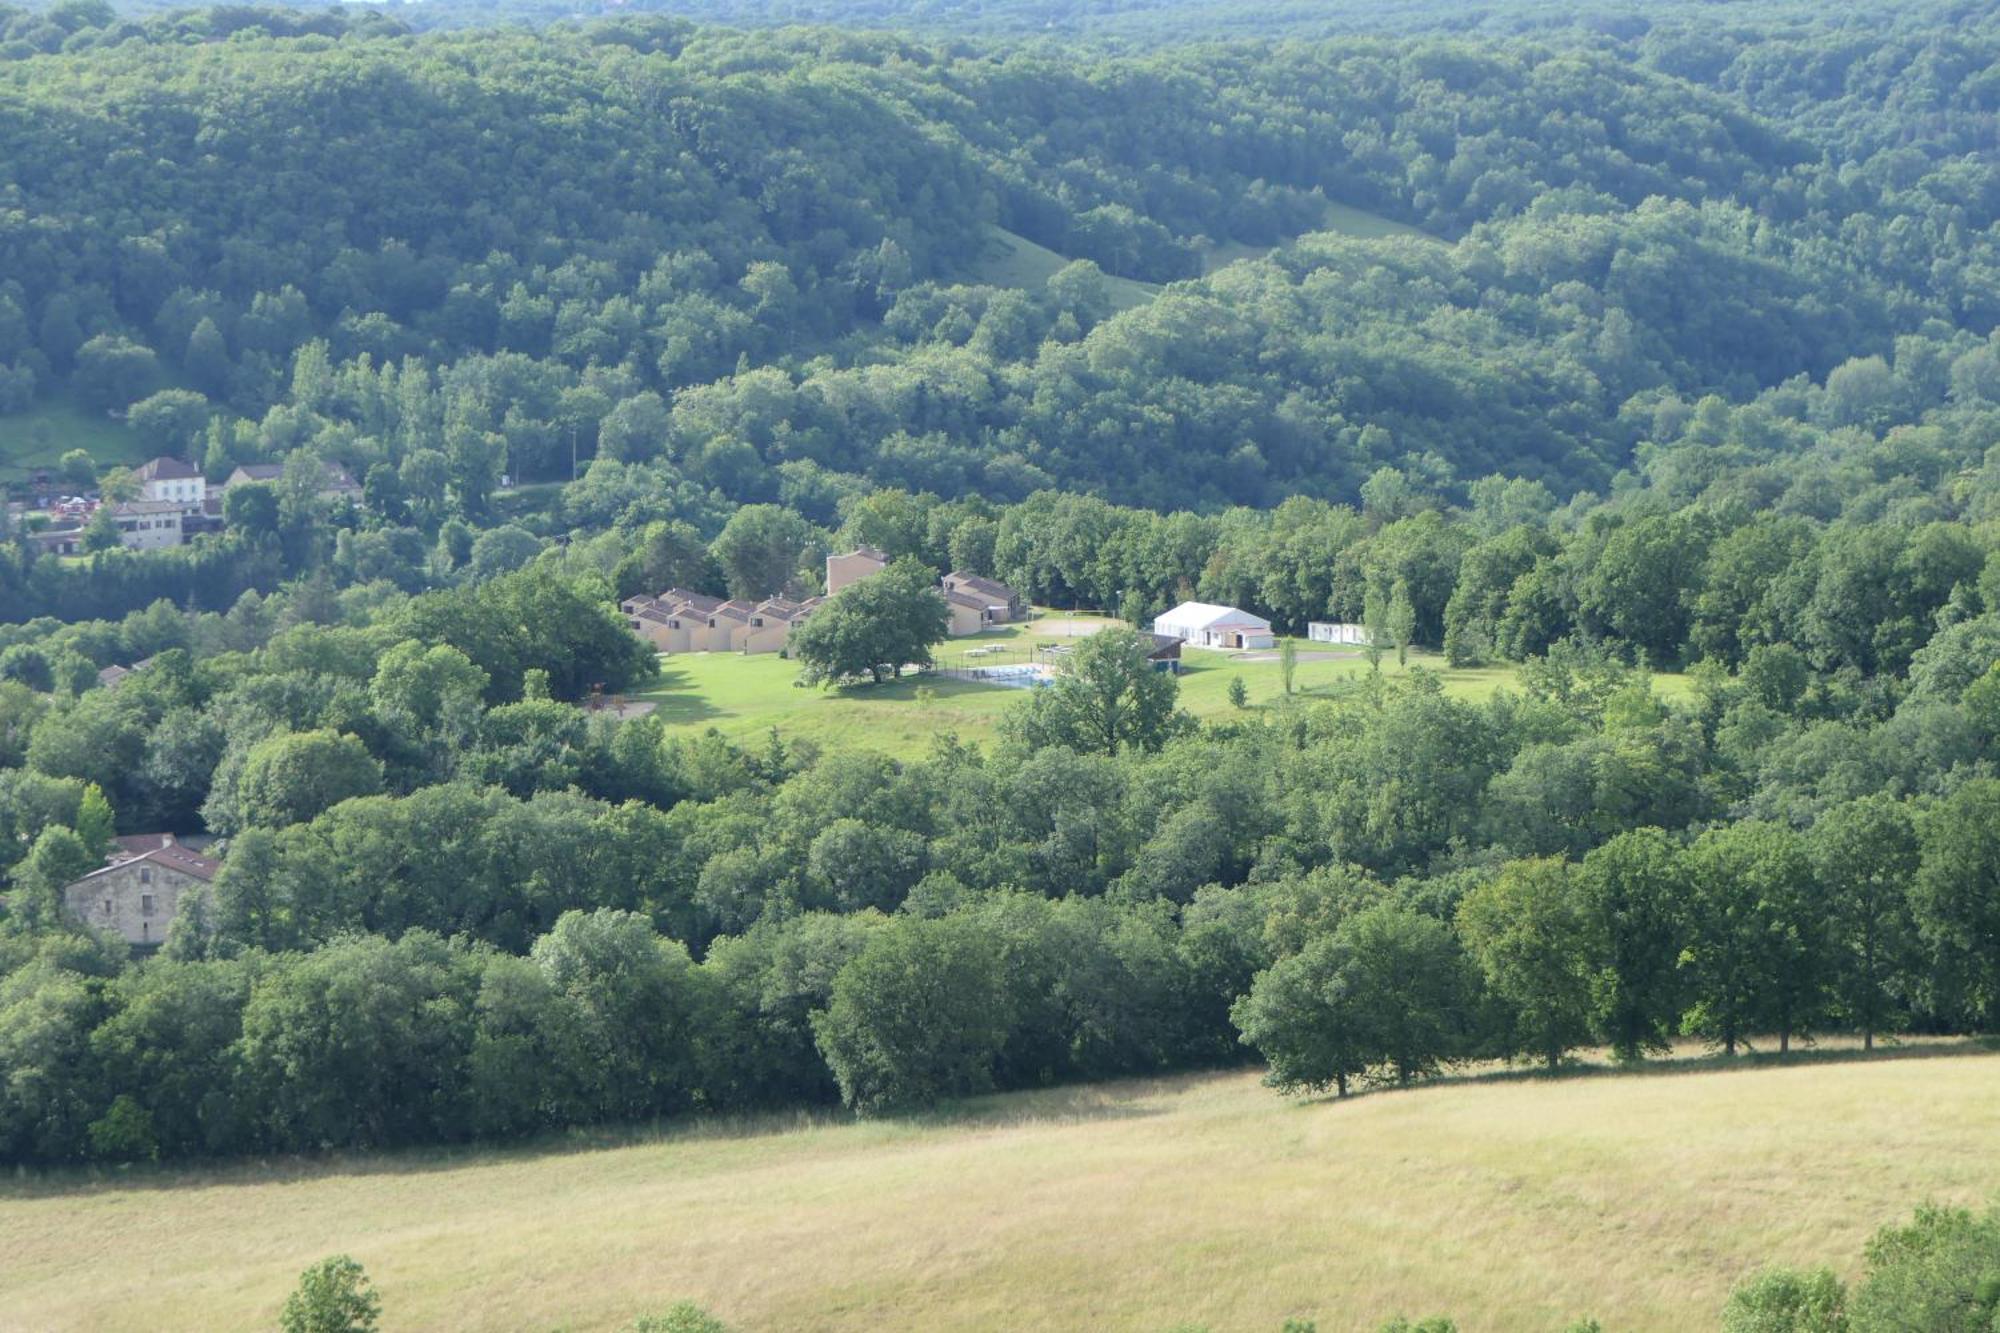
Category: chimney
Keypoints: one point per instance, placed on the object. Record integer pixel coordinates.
(166, 840)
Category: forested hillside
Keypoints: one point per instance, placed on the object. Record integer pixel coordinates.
(1576, 351)
(531, 237)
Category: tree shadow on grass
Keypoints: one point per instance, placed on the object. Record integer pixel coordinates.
(1071, 1104)
(677, 701)
(1708, 1062)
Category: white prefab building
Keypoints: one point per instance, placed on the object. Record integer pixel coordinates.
(1320, 631)
(1206, 625)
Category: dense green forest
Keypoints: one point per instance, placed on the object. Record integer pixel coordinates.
(1682, 355)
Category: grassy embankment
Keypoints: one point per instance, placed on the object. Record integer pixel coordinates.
(38, 439)
(1012, 260)
(1518, 1204)
(743, 697)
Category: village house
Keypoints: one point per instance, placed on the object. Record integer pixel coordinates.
(973, 601)
(1206, 625)
(57, 541)
(148, 525)
(852, 567)
(138, 891)
(679, 621)
(338, 483)
(173, 479)
(976, 603)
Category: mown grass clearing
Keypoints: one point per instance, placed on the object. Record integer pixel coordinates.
(1008, 259)
(744, 697)
(37, 439)
(1341, 219)
(1516, 1204)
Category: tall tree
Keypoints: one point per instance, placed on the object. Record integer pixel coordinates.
(1528, 930)
(1106, 697)
(1865, 856)
(873, 628)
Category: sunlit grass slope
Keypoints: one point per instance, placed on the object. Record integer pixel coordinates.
(1518, 1205)
(37, 439)
(1009, 259)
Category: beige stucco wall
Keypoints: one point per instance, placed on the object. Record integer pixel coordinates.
(842, 570)
(766, 638)
(159, 530)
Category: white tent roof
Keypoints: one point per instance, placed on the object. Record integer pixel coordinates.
(1207, 615)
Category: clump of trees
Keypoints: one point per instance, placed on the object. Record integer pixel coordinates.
(1939, 1273)
(875, 628)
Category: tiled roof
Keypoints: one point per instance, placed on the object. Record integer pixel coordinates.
(167, 469)
(170, 855)
(986, 587)
(699, 603)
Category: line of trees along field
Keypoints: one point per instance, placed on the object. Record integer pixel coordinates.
(1365, 889)
(1697, 369)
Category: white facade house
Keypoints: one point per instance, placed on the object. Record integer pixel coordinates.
(173, 479)
(1206, 625)
(1321, 631)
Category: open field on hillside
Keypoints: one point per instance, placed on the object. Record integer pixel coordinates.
(37, 439)
(1518, 1204)
(1012, 260)
(744, 697)
(1339, 218)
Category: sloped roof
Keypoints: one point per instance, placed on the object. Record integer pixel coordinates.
(986, 587)
(167, 469)
(869, 551)
(678, 599)
(171, 856)
(1207, 615)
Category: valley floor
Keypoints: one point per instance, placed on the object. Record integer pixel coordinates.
(1511, 1203)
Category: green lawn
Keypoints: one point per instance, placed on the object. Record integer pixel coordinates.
(744, 697)
(38, 438)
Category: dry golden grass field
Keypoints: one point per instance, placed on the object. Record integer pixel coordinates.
(1511, 1203)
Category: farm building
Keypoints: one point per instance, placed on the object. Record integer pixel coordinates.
(137, 893)
(1321, 631)
(1206, 625)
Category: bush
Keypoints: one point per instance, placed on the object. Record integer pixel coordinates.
(332, 1297)
(681, 1317)
(1787, 1301)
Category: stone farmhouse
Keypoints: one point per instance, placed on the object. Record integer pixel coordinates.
(680, 621)
(137, 893)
